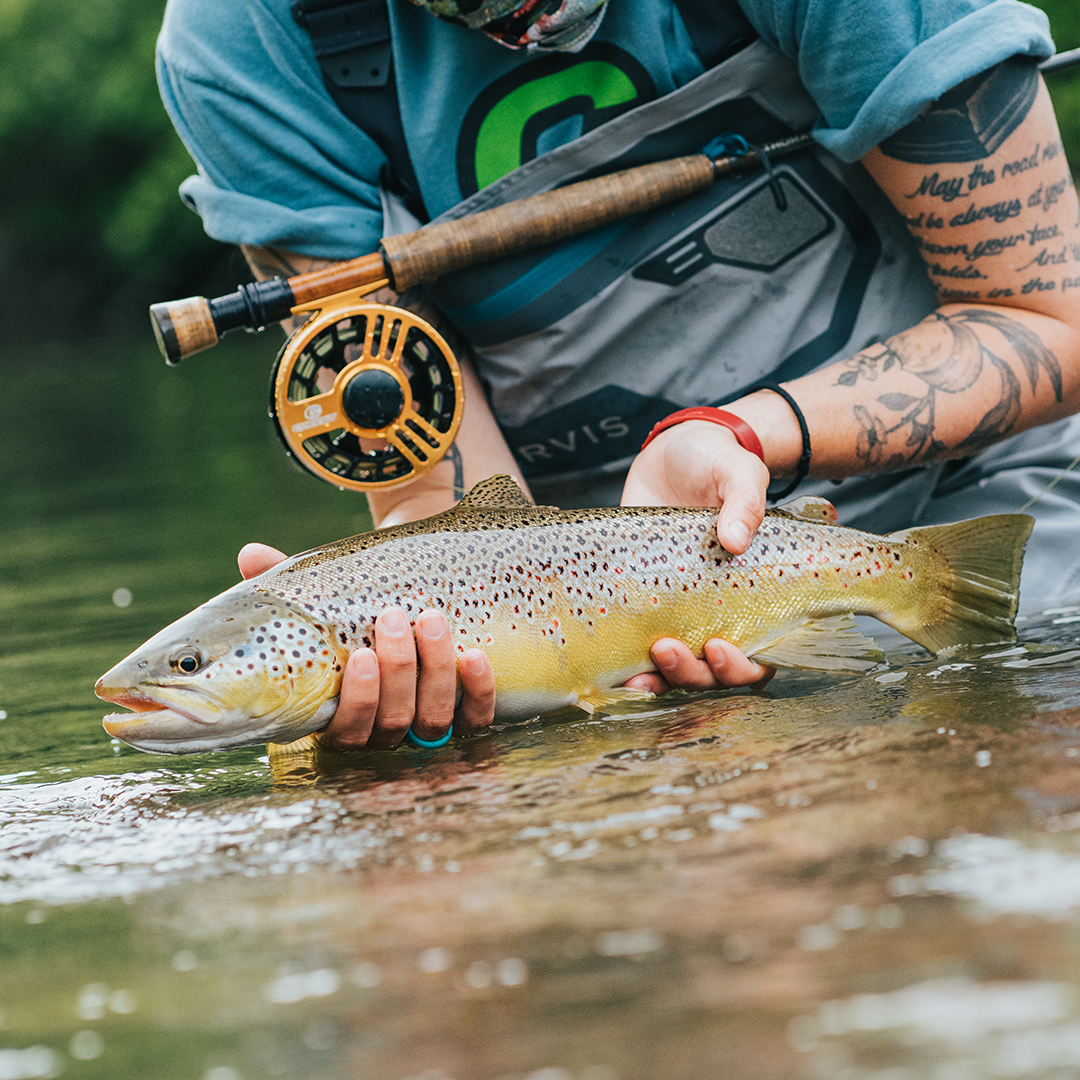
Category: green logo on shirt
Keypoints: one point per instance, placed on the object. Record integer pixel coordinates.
(543, 104)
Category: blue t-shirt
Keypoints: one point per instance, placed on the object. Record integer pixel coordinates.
(280, 164)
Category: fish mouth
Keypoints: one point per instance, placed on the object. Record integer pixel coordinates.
(128, 697)
(154, 725)
(164, 729)
(158, 727)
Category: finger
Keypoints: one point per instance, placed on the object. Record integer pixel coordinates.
(255, 559)
(651, 681)
(477, 708)
(350, 727)
(742, 505)
(436, 687)
(730, 667)
(396, 650)
(680, 667)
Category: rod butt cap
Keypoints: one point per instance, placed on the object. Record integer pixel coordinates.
(183, 328)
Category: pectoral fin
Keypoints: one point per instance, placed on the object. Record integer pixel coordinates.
(294, 764)
(300, 747)
(831, 644)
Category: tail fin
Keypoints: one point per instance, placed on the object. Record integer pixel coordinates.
(977, 594)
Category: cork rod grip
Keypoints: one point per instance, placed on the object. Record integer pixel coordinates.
(427, 254)
(183, 328)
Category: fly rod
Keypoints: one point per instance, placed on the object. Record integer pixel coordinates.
(185, 327)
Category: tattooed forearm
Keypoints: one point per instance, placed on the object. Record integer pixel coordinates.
(937, 270)
(1032, 160)
(949, 354)
(981, 250)
(1046, 197)
(999, 212)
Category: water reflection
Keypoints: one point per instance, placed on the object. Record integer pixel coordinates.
(857, 877)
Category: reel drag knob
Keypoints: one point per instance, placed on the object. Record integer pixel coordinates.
(366, 396)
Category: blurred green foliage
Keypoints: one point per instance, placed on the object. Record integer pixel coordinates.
(1065, 86)
(89, 215)
(90, 221)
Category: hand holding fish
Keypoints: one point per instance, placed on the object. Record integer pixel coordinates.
(381, 696)
(698, 463)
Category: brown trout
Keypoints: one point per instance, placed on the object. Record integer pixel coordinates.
(566, 603)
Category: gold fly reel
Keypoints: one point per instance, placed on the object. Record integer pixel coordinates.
(364, 395)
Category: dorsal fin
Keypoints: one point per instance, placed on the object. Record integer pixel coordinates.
(811, 508)
(502, 490)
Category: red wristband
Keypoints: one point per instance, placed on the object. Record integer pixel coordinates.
(742, 431)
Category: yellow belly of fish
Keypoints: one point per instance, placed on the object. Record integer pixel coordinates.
(575, 651)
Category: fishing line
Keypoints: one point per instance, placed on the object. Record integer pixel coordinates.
(1032, 501)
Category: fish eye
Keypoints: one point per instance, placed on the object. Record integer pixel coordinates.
(186, 660)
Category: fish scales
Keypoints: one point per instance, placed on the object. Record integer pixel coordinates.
(567, 603)
(547, 586)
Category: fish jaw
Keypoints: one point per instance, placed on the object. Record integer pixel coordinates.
(264, 671)
(164, 730)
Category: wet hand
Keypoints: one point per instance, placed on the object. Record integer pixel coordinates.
(698, 463)
(724, 666)
(381, 695)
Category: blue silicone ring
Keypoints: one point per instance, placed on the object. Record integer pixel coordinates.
(424, 744)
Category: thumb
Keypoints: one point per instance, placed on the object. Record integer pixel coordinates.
(255, 559)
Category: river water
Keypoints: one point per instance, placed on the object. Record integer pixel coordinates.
(867, 877)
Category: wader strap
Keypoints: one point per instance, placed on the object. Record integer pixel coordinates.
(351, 40)
(717, 29)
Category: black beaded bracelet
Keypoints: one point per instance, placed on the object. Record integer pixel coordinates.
(803, 468)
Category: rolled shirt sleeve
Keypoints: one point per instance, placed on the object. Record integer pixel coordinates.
(873, 66)
(278, 161)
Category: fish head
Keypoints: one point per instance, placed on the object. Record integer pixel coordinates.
(244, 668)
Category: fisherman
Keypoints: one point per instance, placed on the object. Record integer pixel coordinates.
(892, 318)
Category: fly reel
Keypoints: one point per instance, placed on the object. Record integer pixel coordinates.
(364, 395)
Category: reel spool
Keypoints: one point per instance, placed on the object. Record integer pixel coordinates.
(366, 396)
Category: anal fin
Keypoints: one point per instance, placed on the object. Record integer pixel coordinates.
(831, 644)
(615, 695)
